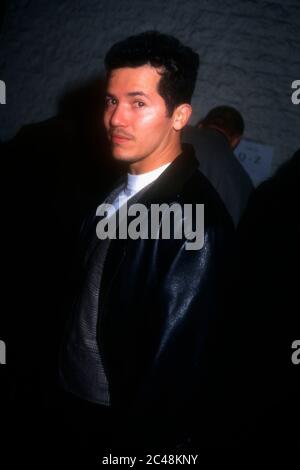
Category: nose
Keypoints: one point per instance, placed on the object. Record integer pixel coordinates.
(118, 117)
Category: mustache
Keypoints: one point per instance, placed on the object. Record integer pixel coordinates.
(119, 133)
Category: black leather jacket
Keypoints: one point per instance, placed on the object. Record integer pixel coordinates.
(159, 303)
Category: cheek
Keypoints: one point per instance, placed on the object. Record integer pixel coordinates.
(152, 120)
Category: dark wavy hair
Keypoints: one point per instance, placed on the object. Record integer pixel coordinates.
(178, 64)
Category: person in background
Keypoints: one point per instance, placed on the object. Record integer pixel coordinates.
(268, 290)
(214, 138)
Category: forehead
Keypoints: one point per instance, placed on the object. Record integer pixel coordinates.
(129, 79)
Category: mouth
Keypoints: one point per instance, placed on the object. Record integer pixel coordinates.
(119, 139)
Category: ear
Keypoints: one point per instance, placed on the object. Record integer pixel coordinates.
(181, 116)
(234, 141)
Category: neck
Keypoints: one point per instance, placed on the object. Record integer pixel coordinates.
(157, 159)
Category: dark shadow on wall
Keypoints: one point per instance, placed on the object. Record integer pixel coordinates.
(3, 9)
(51, 173)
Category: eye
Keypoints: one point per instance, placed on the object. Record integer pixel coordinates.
(109, 100)
(139, 104)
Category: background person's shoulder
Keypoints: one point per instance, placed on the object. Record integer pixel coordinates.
(198, 189)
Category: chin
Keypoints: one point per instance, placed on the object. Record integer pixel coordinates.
(125, 158)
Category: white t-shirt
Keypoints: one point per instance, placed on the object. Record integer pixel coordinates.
(134, 184)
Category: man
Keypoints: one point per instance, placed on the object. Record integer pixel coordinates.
(137, 342)
(214, 138)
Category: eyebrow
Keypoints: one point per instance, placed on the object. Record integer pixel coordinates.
(131, 93)
(138, 93)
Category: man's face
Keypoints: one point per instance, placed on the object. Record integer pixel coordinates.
(135, 115)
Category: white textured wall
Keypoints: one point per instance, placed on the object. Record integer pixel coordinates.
(249, 50)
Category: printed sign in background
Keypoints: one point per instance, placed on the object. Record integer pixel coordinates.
(256, 159)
